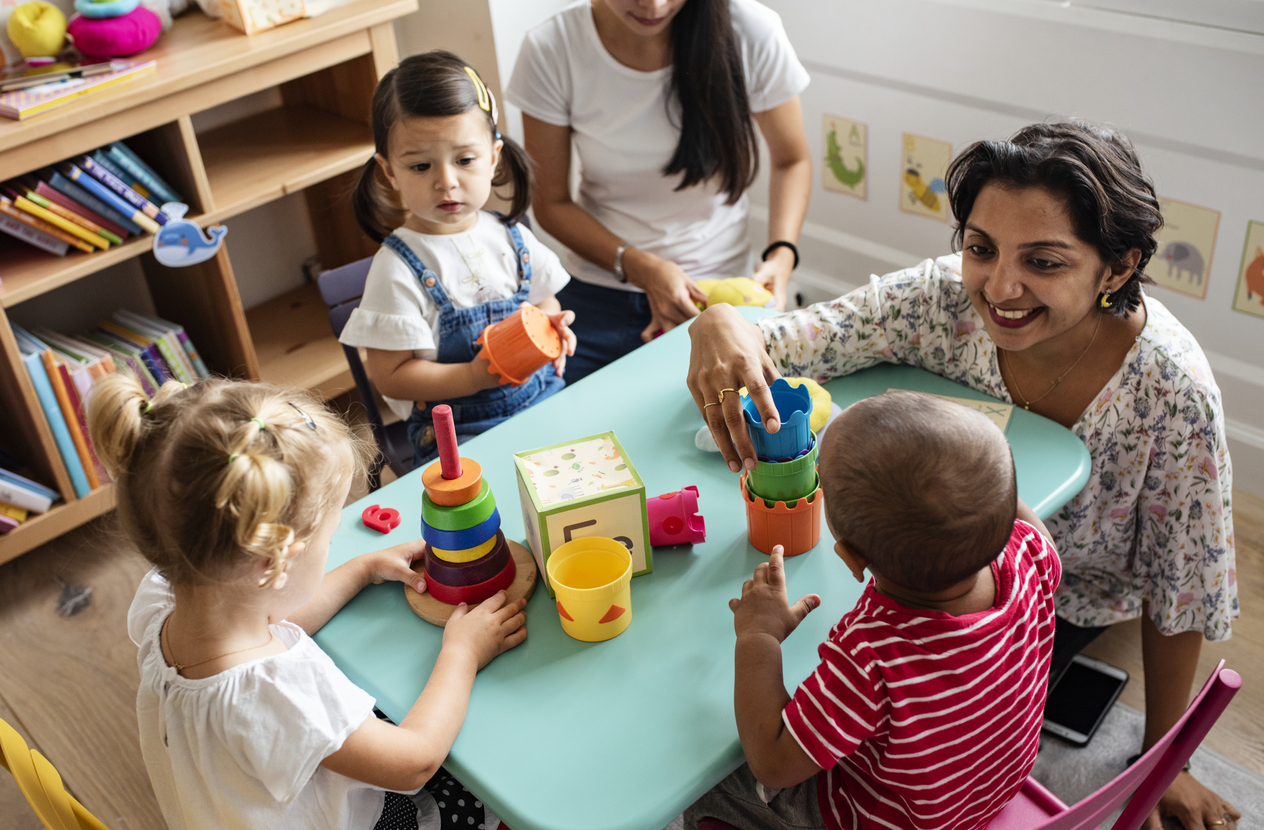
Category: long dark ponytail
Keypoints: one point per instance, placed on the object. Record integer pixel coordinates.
(433, 84)
(717, 138)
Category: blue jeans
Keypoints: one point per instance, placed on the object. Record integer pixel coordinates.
(608, 325)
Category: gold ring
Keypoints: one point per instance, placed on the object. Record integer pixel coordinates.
(722, 391)
(1216, 823)
(705, 405)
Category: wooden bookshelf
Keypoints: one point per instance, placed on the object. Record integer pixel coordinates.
(326, 69)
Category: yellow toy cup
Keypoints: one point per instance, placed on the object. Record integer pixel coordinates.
(592, 578)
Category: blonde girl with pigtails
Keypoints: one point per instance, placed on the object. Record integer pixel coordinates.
(233, 490)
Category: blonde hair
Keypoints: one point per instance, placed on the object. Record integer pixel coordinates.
(215, 474)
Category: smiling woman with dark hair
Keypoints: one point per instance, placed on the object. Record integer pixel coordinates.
(1044, 307)
(660, 100)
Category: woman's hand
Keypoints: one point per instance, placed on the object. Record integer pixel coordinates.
(395, 565)
(488, 630)
(727, 354)
(774, 274)
(1194, 806)
(672, 296)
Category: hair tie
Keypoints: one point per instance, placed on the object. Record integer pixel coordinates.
(497, 134)
(233, 458)
(307, 419)
(261, 424)
(144, 410)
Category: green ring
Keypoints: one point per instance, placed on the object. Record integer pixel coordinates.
(462, 517)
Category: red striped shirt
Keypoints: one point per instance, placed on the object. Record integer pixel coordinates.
(924, 720)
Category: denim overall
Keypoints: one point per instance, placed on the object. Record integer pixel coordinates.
(458, 328)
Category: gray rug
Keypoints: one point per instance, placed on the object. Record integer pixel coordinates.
(1074, 774)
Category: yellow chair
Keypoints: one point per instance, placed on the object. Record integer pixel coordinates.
(42, 786)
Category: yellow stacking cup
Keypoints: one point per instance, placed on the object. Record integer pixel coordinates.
(592, 578)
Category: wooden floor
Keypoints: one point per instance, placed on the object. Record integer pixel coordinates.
(68, 685)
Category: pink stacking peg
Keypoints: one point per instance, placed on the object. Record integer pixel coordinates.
(674, 518)
(445, 436)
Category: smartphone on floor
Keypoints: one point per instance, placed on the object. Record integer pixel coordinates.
(1079, 702)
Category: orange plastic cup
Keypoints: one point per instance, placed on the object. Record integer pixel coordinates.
(797, 529)
(520, 344)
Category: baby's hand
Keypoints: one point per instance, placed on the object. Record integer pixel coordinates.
(764, 608)
(395, 564)
(487, 630)
(561, 321)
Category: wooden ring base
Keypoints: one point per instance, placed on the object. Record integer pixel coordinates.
(437, 613)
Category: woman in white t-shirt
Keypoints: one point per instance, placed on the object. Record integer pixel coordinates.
(659, 100)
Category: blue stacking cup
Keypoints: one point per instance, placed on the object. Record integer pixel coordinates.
(794, 410)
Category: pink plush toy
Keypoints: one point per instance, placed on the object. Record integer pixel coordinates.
(114, 37)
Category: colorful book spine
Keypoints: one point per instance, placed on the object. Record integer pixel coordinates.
(61, 222)
(148, 350)
(48, 192)
(132, 362)
(121, 190)
(83, 197)
(100, 157)
(68, 414)
(9, 209)
(122, 155)
(199, 367)
(31, 236)
(108, 196)
(164, 339)
(10, 516)
(69, 215)
(56, 423)
(20, 496)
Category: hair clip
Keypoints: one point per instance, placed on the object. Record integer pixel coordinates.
(484, 98)
(307, 419)
(261, 424)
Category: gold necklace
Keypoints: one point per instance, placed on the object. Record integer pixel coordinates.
(178, 667)
(1058, 380)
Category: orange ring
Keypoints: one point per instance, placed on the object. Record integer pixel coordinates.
(453, 492)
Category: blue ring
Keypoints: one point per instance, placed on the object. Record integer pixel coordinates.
(471, 537)
(113, 8)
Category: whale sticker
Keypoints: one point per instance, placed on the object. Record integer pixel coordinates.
(181, 242)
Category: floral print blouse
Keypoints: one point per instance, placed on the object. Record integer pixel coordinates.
(1154, 521)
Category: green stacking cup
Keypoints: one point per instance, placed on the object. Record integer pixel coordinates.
(785, 481)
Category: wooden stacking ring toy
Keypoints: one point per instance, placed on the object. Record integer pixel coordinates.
(458, 539)
(472, 572)
(466, 555)
(435, 611)
(471, 594)
(457, 517)
(453, 492)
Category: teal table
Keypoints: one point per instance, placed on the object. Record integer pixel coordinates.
(623, 735)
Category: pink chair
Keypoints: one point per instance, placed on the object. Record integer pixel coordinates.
(1035, 808)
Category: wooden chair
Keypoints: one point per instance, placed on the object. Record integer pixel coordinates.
(40, 783)
(341, 289)
(1141, 785)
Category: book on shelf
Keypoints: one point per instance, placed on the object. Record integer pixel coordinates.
(70, 216)
(33, 100)
(199, 367)
(10, 516)
(173, 353)
(79, 374)
(32, 358)
(47, 191)
(12, 211)
(63, 388)
(108, 196)
(122, 189)
(135, 166)
(103, 158)
(29, 495)
(33, 236)
(39, 212)
(73, 191)
(127, 355)
(148, 351)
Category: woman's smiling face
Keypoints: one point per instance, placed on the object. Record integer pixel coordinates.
(1025, 270)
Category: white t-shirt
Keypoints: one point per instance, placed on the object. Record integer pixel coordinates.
(624, 136)
(242, 749)
(396, 313)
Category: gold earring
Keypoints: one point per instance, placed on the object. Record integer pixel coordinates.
(1105, 300)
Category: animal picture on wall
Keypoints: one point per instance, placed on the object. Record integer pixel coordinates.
(1187, 239)
(846, 168)
(923, 164)
(1250, 294)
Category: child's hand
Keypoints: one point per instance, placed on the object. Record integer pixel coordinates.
(764, 607)
(395, 565)
(561, 321)
(487, 630)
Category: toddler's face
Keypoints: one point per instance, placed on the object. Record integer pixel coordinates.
(442, 168)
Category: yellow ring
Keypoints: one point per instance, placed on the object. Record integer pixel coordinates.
(467, 554)
(722, 391)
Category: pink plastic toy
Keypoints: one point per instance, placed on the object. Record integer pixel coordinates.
(381, 519)
(674, 518)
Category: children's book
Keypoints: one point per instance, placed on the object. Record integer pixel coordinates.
(78, 380)
(23, 203)
(48, 192)
(97, 360)
(33, 236)
(83, 197)
(29, 495)
(135, 166)
(101, 158)
(58, 376)
(166, 341)
(32, 358)
(127, 358)
(10, 516)
(11, 210)
(71, 216)
(122, 190)
(198, 365)
(24, 103)
(107, 195)
(148, 349)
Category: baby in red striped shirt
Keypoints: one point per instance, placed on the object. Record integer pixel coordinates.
(925, 710)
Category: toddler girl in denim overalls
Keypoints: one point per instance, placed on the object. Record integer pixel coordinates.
(450, 269)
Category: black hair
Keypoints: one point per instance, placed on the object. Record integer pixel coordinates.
(1111, 200)
(433, 84)
(922, 488)
(717, 138)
